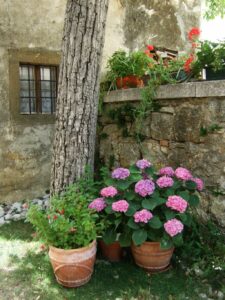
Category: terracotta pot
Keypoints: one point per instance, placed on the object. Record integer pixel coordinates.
(151, 257)
(130, 81)
(113, 252)
(73, 267)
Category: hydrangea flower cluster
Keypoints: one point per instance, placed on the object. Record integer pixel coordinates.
(173, 227)
(183, 174)
(164, 182)
(177, 203)
(199, 182)
(144, 187)
(109, 191)
(167, 171)
(120, 206)
(143, 164)
(98, 204)
(142, 216)
(120, 173)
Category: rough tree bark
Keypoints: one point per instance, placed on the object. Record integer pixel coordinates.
(77, 103)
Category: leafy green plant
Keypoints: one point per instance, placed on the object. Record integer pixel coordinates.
(67, 223)
(139, 203)
(210, 129)
(122, 64)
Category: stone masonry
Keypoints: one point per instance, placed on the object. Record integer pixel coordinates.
(174, 135)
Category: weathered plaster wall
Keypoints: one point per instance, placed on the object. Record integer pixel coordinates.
(172, 136)
(25, 149)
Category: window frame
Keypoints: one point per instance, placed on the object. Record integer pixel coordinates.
(37, 84)
(32, 57)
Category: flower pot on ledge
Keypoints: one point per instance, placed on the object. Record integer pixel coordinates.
(151, 257)
(130, 81)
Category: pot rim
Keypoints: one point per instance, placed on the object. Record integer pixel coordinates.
(60, 250)
(152, 243)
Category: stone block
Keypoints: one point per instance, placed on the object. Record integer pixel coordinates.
(218, 209)
(128, 153)
(164, 143)
(187, 123)
(162, 126)
(210, 88)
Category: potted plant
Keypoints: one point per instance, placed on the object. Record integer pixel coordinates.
(69, 228)
(151, 208)
(127, 69)
(205, 55)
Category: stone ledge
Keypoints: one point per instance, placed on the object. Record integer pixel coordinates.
(172, 91)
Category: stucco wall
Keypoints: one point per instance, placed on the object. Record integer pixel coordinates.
(25, 149)
(173, 136)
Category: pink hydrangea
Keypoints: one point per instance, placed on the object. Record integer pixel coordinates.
(177, 203)
(120, 173)
(98, 204)
(173, 227)
(142, 216)
(164, 182)
(199, 182)
(144, 187)
(120, 206)
(109, 191)
(167, 171)
(183, 174)
(143, 164)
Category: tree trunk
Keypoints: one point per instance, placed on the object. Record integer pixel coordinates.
(77, 103)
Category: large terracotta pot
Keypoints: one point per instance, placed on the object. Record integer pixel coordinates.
(151, 257)
(113, 252)
(73, 267)
(130, 81)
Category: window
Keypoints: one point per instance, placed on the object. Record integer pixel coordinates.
(33, 75)
(38, 89)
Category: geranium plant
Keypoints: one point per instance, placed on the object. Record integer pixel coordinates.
(142, 204)
(67, 223)
(204, 54)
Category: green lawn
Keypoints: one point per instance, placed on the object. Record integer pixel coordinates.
(26, 274)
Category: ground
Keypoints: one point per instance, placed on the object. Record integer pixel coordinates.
(26, 274)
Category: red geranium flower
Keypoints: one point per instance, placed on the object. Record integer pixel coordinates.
(150, 47)
(55, 217)
(194, 33)
(187, 64)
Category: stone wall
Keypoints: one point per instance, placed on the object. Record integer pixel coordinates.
(32, 26)
(174, 135)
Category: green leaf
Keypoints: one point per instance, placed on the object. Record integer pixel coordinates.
(194, 200)
(110, 236)
(123, 184)
(185, 195)
(155, 223)
(134, 170)
(125, 239)
(170, 192)
(177, 185)
(135, 177)
(129, 195)
(151, 203)
(150, 171)
(178, 240)
(139, 236)
(109, 181)
(131, 210)
(191, 185)
(132, 224)
(109, 210)
(169, 214)
(166, 243)
(186, 219)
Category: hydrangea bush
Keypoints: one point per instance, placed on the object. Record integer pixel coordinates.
(141, 204)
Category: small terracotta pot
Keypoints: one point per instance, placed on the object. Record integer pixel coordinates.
(130, 81)
(113, 252)
(151, 257)
(73, 267)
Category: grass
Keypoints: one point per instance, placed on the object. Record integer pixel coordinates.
(26, 274)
